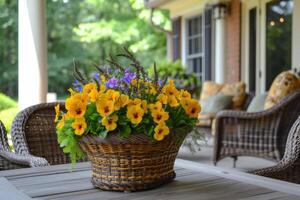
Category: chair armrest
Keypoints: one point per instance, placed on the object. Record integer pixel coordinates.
(244, 133)
(24, 160)
(265, 120)
(281, 171)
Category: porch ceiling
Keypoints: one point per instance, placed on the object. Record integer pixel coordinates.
(167, 4)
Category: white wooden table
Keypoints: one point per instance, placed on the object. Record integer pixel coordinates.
(193, 182)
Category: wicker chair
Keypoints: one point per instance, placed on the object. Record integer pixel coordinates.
(261, 134)
(10, 160)
(288, 169)
(33, 133)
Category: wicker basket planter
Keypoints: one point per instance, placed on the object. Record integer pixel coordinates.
(135, 163)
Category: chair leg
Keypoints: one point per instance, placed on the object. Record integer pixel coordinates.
(234, 161)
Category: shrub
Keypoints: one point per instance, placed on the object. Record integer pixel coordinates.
(181, 75)
(7, 116)
(6, 102)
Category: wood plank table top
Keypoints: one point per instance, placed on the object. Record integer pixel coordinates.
(193, 182)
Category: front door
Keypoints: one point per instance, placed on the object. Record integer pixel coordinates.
(278, 43)
(267, 41)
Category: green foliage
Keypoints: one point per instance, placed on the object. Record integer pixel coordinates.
(180, 74)
(6, 102)
(82, 30)
(69, 142)
(8, 47)
(91, 30)
(7, 116)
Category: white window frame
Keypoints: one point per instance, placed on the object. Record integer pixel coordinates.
(185, 56)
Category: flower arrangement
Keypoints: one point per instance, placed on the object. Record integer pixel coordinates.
(123, 101)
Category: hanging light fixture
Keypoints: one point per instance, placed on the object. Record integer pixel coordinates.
(272, 23)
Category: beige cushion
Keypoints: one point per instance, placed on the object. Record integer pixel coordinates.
(210, 88)
(238, 91)
(284, 84)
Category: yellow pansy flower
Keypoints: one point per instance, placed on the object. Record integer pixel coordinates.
(162, 98)
(102, 89)
(160, 131)
(193, 109)
(84, 98)
(105, 107)
(184, 94)
(110, 122)
(93, 95)
(121, 102)
(155, 106)
(134, 82)
(103, 79)
(61, 122)
(75, 107)
(79, 125)
(159, 116)
(185, 102)
(88, 88)
(57, 110)
(72, 92)
(173, 101)
(144, 105)
(112, 95)
(134, 102)
(170, 89)
(153, 90)
(135, 114)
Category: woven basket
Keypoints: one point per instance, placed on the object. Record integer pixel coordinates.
(131, 164)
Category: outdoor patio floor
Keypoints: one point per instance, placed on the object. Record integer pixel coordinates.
(204, 156)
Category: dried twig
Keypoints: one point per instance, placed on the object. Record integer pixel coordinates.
(112, 61)
(101, 71)
(77, 74)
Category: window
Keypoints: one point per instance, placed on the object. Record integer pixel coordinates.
(176, 27)
(194, 46)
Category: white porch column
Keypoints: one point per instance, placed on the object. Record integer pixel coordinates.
(169, 47)
(219, 14)
(32, 53)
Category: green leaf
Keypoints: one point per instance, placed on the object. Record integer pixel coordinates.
(103, 134)
(64, 142)
(124, 131)
(150, 130)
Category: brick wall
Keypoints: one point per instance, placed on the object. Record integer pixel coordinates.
(233, 40)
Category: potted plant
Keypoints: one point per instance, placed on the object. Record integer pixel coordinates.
(129, 124)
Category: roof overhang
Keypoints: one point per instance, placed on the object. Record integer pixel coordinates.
(155, 3)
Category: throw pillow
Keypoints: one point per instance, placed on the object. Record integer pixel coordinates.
(284, 84)
(238, 91)
(257, 103)
(216, 103)
(209, 88)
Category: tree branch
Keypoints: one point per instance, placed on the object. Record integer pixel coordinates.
(157, 27)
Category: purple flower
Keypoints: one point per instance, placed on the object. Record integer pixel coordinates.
(96, 76)
(77, 86)
(160, 82)
(112, 83)
(128, 76)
